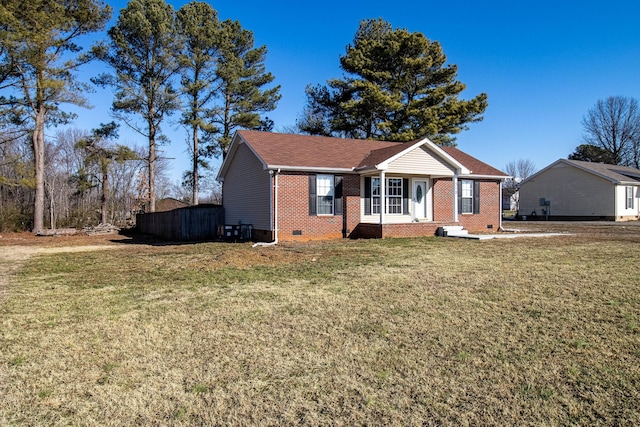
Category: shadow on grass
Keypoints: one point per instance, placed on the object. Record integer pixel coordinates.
(134, 237)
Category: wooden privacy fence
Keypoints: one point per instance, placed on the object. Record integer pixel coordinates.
(188, 224)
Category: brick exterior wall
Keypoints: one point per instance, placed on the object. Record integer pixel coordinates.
(413, 229)
(351, 200)
(295, 223)
(489, 217)
(443, 199)
(488, 220)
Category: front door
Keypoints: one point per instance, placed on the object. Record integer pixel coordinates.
(420, 199)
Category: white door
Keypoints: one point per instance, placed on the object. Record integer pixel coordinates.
(420, 199)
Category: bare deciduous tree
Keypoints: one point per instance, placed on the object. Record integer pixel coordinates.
(519, 170)
(613, 124)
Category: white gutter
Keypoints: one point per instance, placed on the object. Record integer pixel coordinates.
(309, 169)
(273, 213)
(472, 176)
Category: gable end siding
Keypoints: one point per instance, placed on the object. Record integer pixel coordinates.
(571, 191)
(420, 162)
(246, 192)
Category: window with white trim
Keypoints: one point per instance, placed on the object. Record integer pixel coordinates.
(466, 196)
(393, 195)
(375, 195)
(629, 198)
(324, 188)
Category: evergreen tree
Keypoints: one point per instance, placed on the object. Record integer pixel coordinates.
(592, 153)
(144, 51)
(199, 24)
(242, 76)
(38, 61)
(397, 87)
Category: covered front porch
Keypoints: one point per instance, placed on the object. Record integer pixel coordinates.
(406, 205)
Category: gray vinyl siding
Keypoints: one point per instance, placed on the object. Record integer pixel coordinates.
(245, 191)
(571, 191)
(420, 161)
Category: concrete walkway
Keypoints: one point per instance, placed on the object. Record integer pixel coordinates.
(507, 235)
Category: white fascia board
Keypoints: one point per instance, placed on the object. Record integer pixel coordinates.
(432, 146)
(368, 169)
(495, 177)
(308, 169)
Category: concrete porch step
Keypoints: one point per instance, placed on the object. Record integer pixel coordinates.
(451, 231)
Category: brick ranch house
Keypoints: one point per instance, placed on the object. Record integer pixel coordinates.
(298, 187)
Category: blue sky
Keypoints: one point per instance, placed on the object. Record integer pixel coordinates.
(543, 64)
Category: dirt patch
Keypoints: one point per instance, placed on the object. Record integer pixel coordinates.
(17, 248)
(30, 239)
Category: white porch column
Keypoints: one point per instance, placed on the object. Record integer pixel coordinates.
(455, 197)
(382, 197)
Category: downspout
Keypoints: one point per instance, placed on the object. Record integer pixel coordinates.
(273, 213)
(455, 197)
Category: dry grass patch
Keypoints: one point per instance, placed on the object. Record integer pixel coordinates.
(404, 332)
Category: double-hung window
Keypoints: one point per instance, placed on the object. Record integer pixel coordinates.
(628, 197)
(375, 195)
(395, 196)
(466, 196)
(325, 194)
(324, 186)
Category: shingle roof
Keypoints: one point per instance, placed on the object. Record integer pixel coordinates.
(615, 173)
(474, 165)
(378, 156)
(304, 151)
(277, 149)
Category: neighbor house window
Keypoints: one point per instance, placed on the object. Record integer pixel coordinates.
(629, 197)
(466, 195)
(324, 186)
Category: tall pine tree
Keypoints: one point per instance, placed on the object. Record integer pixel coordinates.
(198, 22)
(38, 61)
(397, 87)
(242, 95)
(144, 50)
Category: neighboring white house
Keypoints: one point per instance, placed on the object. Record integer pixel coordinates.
(573, 189)
(510, 198)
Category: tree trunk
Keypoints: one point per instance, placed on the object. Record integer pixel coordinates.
(38, 158)
(105, 193)
(152, 171)
(194, 196)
